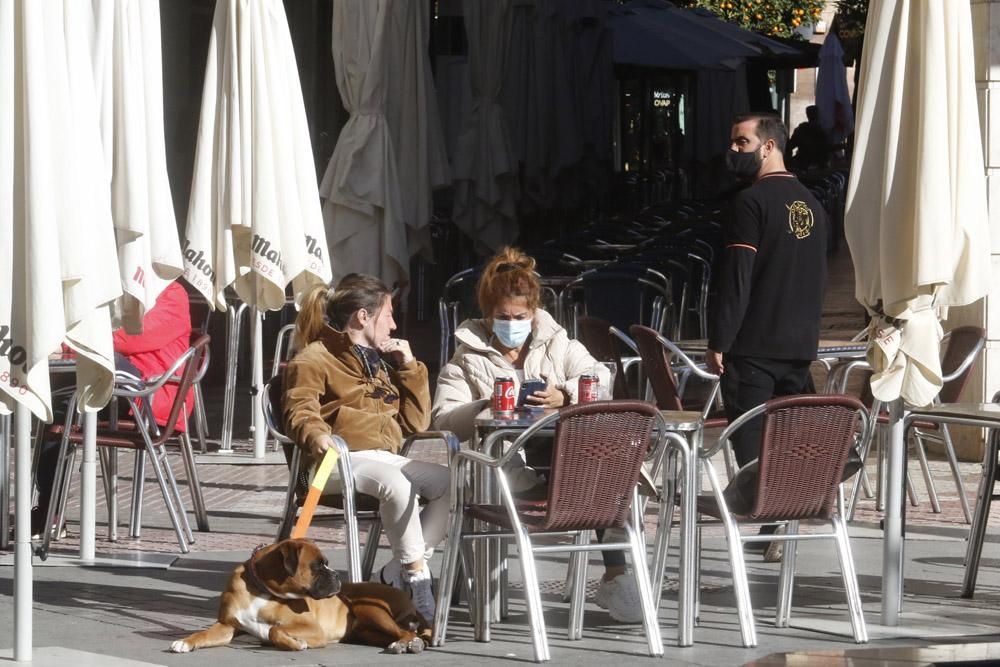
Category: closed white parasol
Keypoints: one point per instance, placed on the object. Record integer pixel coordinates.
(916, 218)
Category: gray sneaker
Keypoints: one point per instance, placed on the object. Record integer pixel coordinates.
(420, 584)
(391, 574)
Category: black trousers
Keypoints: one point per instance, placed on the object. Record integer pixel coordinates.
(751, 381)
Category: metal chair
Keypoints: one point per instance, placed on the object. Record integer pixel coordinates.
(623, 295)
(353, 506)
(985, 497)
(606, 343)
(458, 301)
(962, 347)
(805, 442)
(142, 435)
(597, 455)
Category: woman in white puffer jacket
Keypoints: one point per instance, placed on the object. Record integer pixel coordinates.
(517, 339)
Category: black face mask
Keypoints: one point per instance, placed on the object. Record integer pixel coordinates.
(743, 166)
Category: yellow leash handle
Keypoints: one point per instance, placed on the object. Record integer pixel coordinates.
(315, 491)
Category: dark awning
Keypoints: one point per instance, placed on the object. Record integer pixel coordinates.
(655, 33)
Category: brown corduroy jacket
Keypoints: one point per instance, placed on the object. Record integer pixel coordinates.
(328, 391)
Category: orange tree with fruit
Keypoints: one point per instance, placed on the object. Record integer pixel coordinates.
(779, 18)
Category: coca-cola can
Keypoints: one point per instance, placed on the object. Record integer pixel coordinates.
(589, 388)
(504, 398)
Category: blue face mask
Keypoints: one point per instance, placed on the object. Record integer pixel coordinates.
(512, 333)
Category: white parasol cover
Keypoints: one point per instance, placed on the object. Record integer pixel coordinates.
(833, 101)
(128, 75)
(414, 122)
(58, 269)
(363, 207)
(254, 220)
(484, 166)
(916, 218)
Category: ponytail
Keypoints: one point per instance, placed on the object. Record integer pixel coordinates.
(310, 320)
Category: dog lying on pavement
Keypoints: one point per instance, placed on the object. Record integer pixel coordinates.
(286, 594)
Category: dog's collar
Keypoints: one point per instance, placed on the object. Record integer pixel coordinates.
(255, 579)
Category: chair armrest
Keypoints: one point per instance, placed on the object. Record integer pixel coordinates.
(153, 384)
(968, 361)
(450, 441)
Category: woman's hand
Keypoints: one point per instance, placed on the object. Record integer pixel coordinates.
(550, 397)
(325, 443)
(398, 349)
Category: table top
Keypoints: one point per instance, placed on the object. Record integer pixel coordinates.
(983, 411)
(825, 348)
(521, 419)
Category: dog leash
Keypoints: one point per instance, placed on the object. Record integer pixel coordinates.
(315, 491)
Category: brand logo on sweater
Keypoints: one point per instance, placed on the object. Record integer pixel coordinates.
(800, 219)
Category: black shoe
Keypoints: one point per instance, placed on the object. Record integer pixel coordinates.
(762, 547)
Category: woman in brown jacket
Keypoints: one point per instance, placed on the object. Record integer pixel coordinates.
(352, 378)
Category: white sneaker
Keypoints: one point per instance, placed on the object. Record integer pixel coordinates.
(421, 587)
(620, 597)
(391, 574)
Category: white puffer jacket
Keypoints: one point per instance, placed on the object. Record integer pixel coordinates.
(465, 384)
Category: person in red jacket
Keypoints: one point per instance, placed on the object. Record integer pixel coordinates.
(165, 337)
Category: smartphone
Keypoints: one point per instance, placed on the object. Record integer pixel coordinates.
(528, 387)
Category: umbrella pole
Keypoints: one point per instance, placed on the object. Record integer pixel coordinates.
(892, 536)
(88, 487)
(22, 536)
(259, 430)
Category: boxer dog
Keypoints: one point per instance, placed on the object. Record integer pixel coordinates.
(287, 594)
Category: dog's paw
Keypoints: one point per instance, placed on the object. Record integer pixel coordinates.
(415, 645)
(396, 648)
(180, 646)
(299, 644)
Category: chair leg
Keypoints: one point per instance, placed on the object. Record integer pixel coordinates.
(532, 595)
(200, 418)
(850, 580)
(641, 574)
(741, 584)
(949, 450)
(168, 498)
(977, 533)
(138, 486)
(108, 457)
(664, 523)
(928, 480)
(786, 580)
(577, 586)
(194, 482)
(446, 580)
(371, 549)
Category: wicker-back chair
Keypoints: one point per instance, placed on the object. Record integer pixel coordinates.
(805, 443)
(660, 357)
(962, 347)
(597, 453)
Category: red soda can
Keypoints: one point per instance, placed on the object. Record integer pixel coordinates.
(503, 396)
(589, 388)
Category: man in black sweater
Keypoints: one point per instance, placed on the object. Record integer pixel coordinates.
(764, 328)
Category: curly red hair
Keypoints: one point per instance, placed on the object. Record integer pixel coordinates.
(510, 273)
